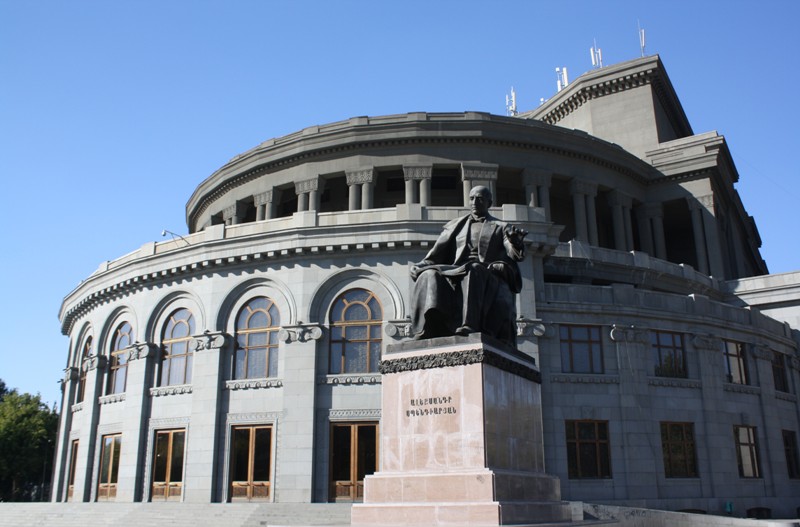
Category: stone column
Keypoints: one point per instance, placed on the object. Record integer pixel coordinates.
(360, 180)
(591, 215)
(263, 203)
(234, 214)
(202, 465)
(537, 187)
(473, 174)
(418, 177)
(713, 242)
(645, 231)
(307, 195)
(141, 360)
(580, 190)
(620, 209)
(652, 229)
(701, 255)
(62, 449)
(295, 485)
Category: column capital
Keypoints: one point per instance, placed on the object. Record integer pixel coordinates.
(209, 341)
(361, 175)
(701, 202)
(615, 197)
(70, 375)
(307, 185)
(417, 172)
(95, 362)
(300, 332)
(537, 176)
(578, 186)
(478, 172)
(263, 198)
(141, 350)
(652, 209)
(236, 210)
(398, 328)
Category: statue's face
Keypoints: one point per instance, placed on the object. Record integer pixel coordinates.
(480, 199)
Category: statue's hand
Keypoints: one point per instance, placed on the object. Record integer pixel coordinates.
(497, 267)
(515, 235)
(415, 270)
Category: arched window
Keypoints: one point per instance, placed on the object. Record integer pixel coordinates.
(176, 355)
(118, 369)
(86, 351)
(257, 340)
(355, 332)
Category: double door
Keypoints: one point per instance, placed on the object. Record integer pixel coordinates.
(354, 455)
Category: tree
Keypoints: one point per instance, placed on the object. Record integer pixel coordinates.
(3, 390)
(27, 440)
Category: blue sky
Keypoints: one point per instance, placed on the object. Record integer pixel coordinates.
(111, 113)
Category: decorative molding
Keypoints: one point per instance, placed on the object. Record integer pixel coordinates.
(253, 384)
(459, 358)
(300, 333)
(741, 388)
(674, 382)
(585, 378)
(209, 341)
(706, 201)
(707, 342)
(786, 396)
(70, 375)
(359, 176)
(74, 434)
(109, 429)
(354, 415)
(417, 172)
(139, 350)
(237, 210)
(111, 398)
(263, 198)
(252, 418)
(178, 389)
(478, 172)
(350, 378)
(95, 362)
(629, 334)
(77, 407)
(307, 185)
(527, 327)
(617, 198)
(398, 329)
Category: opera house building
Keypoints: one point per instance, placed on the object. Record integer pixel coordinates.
(241, 361)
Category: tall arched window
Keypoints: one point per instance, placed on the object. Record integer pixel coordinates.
(257, 340)
(355, 319)
(176, 355)
(118, 369)
(85, 352)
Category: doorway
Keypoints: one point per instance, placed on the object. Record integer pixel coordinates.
(354, 455)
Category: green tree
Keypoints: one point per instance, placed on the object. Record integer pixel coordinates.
(27, 440)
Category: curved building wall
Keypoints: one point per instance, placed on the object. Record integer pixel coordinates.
(169, 394)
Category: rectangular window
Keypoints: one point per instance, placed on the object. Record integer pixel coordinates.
(668, 354)
(109, 468)
(746, 451)
(73, 460)
(735, 366)
(251, 462)
(581, 349)
(168, 465)
(678, 448)
(588, 451)
(790, 447)
(779, 372)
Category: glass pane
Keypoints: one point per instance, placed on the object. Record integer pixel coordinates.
(188, 375)
(340, 462)
(367, 459)
(115, 459)
(273, 362)
(179, 330)
(580, 357)
(602, 431)
(336, 312)
(241, 454)
(586, 431)
(356, 312)
(597, 359)
(336, 333)
(176, 370)
(261, 454)
(580, 333)
(588, 461)
(375, 309)
(336, 358)
(258, 320)
(605, 461)
(176, 465)
(178, 348)
(239, 364)
(355, 357)
(257, 363)
(273, 338)
(161, 462)
(105, 462)
(374, 356)
(257, 339)
(355, 332)
(375, 332)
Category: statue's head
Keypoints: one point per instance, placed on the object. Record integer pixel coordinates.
(480, 199)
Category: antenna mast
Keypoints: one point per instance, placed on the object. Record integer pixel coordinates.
(641, 37)
(511, 103)
(597, 55)
(562, 79)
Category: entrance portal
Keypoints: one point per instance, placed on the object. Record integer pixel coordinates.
(354, 454)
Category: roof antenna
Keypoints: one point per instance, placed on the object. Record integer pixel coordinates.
(641, 37)
(563, 80)
(597, 55)
(511, 103)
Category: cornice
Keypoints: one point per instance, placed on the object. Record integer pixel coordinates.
(253, 384)
(459, 358)
(351, 378)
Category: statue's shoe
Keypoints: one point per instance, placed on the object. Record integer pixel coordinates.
(465, 330)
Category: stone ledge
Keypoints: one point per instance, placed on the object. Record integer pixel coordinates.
(253, 384)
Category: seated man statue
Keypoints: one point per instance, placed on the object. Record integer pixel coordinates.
(466, 283)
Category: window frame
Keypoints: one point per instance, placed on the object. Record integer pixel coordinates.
(662, 352)
(169, 359)
(107, 490)
(686, 450)
(251, 484)
(790, 451)
(574, 443)
(118, 358)
(735, 362)
(271, 345)
(568, 343)
(86, 352)
(372, 327)
(780, 377)
(172, 490)
(749, 464)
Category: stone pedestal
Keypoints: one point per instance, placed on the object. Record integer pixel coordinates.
(461, 439)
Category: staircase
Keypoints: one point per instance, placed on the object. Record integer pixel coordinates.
(172, 514)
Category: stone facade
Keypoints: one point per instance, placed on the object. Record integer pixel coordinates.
(630, 306)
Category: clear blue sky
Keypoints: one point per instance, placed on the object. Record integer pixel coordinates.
(111, 112)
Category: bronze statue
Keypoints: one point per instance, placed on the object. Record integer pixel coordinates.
(466, 283)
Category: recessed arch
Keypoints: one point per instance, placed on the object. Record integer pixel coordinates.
(242, 293)
(381, 285)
